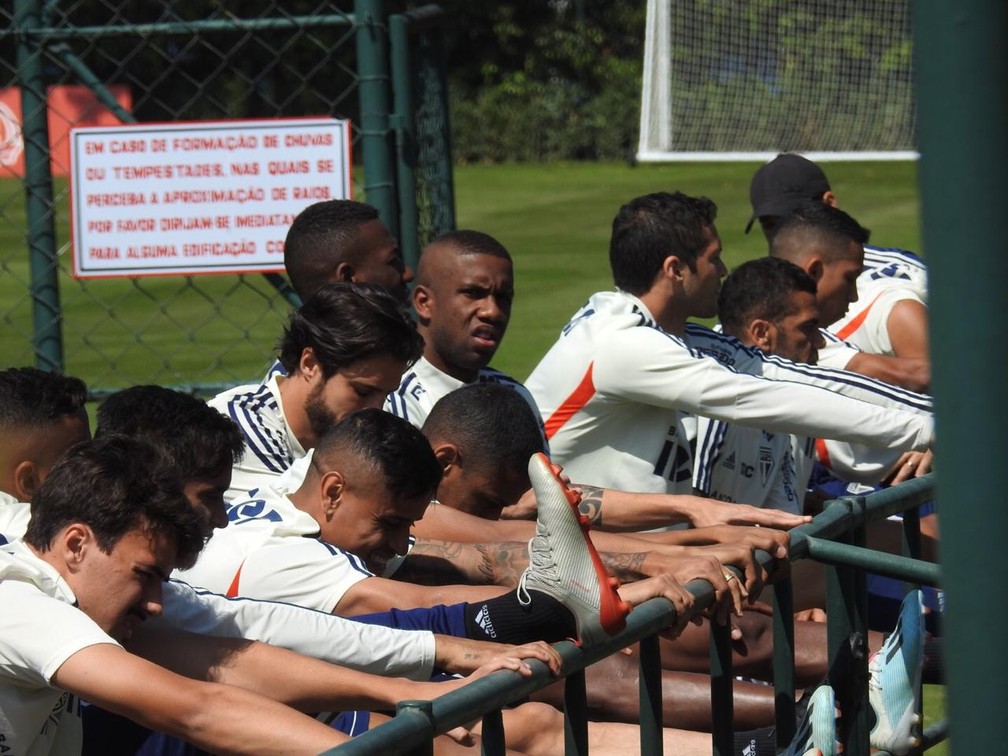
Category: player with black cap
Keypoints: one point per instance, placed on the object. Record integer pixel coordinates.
(890, 316)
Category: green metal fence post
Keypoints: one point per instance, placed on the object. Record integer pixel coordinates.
(405, 139)
(783, 661)
(46, 313)
(575, 715)
(846, 598)
(492, 736)
(649, 683)
(373, 72)
(961, 65)
(722, 681)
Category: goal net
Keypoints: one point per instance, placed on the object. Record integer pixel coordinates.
(747, 79)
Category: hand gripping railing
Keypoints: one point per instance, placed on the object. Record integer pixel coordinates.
(835, 537)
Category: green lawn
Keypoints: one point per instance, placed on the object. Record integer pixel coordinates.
(555, 220)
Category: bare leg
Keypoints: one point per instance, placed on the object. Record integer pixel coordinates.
(459, 743)
(753, 655)
(537, 729)
(612, 690)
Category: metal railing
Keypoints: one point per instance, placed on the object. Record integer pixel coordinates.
(835, 537)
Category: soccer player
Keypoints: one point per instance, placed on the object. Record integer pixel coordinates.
(620, 388)
(41, 416)
(462, 297)
(828, 244)
(770, 304)
(890, 315)
(343, 240)
(481, 435)
(324, 543)
(343, 350)
(198, 444)
(104, 535)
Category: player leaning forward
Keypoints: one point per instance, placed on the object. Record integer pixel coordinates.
(103, 537)
(618, 389)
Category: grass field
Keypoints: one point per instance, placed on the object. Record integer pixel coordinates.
(556, 219)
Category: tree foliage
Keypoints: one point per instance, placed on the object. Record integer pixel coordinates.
(533, 80)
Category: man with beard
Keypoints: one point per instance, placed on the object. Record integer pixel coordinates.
(621, 387)
(343, 350)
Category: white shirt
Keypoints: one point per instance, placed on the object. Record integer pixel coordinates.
(423, 385)
(738, 464)
(365, 647)
(270, 445)
(889, 276)
(14, 516)
(40, 628)
(616, 392)
(271, 550)
(368, 648)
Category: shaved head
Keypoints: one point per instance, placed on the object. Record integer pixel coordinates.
(465, 284)
(817, 229)
(453, 245)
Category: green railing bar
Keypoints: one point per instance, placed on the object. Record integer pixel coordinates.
(936, 733)
(421, 713)
(47, 339)
(575, 715)
(856, 511)
(492, 737)
(405, 139)
(44, 34)
(890, 565)
(373, 90)
(721, 682)
(783, 661)
(501, 688)
(649, 681)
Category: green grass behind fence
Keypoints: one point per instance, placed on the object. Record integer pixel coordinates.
(555, 219)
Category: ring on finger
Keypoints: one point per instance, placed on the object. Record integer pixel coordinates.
(729, 576)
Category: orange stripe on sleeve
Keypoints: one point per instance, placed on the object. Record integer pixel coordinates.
(579, 398)
(852, 326)
(823, 453)
(232, 590)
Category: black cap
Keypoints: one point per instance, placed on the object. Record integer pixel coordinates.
(784, 184)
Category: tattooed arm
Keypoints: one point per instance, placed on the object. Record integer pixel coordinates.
(437, 562)
(620, 511)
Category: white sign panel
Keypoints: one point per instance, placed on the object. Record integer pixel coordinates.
(199, 197)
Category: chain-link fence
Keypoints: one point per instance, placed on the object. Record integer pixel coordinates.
(151, 61)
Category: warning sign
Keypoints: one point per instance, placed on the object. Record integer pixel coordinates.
(199, 197)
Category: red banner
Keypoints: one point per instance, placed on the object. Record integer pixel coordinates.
(69, 106)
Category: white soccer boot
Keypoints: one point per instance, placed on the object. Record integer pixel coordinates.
(564, 564)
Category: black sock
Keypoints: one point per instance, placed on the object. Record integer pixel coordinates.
(761, 742)
(505, 620)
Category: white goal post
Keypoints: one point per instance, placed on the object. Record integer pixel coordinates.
(736, 80)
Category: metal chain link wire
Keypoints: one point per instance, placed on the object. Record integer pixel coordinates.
(183, 60)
